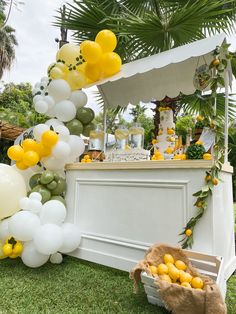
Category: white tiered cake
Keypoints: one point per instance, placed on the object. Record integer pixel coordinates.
(166, 135)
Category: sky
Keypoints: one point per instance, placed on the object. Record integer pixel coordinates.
(36, 43)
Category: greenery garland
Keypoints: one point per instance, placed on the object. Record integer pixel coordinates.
(218, 66)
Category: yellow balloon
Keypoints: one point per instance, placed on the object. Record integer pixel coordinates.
(20, 165)
(111, 63)
(56, 73)
(69, 53)
(30, 158)
(12, 189)
(50, 67)
(93, 71)
(62, 67)
(107, 40)
(81, 67)
(2, 255)
(15, 152)
(29, 144)
(76, 79)
(91, 51)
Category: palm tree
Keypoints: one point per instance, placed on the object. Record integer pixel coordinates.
(7, 48)
(148, 27)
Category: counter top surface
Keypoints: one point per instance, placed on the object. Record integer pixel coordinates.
(139, 165)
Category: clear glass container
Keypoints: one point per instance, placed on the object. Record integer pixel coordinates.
(96, 138)
(136, 136)
(122, 137)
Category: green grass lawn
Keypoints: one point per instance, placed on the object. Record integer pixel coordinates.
(76, 286)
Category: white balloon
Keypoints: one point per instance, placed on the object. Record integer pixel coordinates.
(61, 150)
(37, 98)
(65, 110)
(31, 257)
(23, 225)
(63, 132)
(35, 195)
(54, 123)
(71, 238)
(51, 112)
(56, 258)
(79, 98)
(37, 85)
(25, 203)
(59, 90)
(45, 79)
(4, 230)
(36, 90)
(35, 206)
(50, 101)
(51, 163)
(48, 239)
(53, 212)
(77, 145)
(41, 106)
(39, 130)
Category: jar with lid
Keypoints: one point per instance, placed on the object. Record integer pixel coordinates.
(96, 139)
(136, 136)
(122, 137)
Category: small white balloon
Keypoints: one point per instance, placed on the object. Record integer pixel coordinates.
(39, 130)
(51, 163)
(53, 212)
(61, 150)
(79, 98)
(54, 122)
(56, 258)
(4, 230)
(35, 206)
(65, 110)
(63, 132)
(45, 79)
(25, 203)
(31, 257)
(37, 98)
(48, 239)
(35, 195)
(37, 85)
(71, 238)
(36, 90)
(77, 145)
(41, 106)
(59, 90)
(50, 101)
(51, 112)
(23, 225)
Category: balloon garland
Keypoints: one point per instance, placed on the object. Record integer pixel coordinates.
(33, 227)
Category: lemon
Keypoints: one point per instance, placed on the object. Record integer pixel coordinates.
(168, 258)
(215, 181)
(208, 178)
(207, 156)
(185, 277)
(174, 273)
(162, 269)
(199, 143)
(186, 284)
(153, 269)
(197, 282)
(183, 157)
(188, 232)
(165, 277)
(180, 265)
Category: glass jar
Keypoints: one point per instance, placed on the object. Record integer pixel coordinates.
(136, 136)
(96, 139)
(122, 137)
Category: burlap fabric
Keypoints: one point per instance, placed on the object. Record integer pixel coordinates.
(177, 299)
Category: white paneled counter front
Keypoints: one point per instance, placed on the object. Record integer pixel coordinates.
(123, 208)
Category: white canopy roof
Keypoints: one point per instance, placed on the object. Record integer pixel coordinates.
(164, 74)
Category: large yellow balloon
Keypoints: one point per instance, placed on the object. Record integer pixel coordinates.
(93, 71)
(56, 73)
(111, 63)
(69, 53)
(91, 51)
(76, 79)
(12, 189)
(107, 40)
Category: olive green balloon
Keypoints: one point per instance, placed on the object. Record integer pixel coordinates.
(34, 180)
(85, 115)
(46, 194)
(87, 129)
(47, 177)
(61, 187)
(75, 127)
(52, 185)
(59, 198)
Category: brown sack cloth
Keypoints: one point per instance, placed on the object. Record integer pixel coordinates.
(177, 299)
